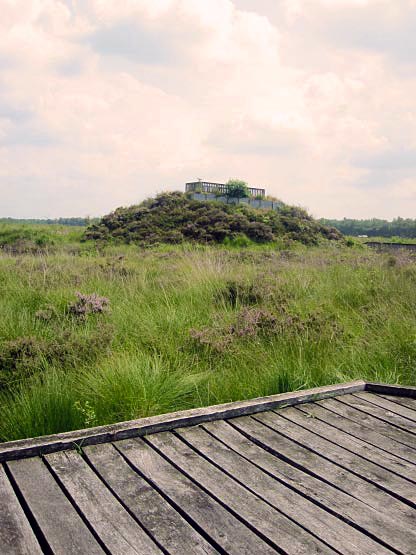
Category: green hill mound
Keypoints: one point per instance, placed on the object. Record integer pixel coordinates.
(175, 218)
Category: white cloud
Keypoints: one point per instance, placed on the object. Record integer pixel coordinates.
(103, 103)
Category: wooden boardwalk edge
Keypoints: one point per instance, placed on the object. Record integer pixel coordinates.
(165, 422)
(388, 389)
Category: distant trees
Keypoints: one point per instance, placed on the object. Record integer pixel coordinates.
(399, 227)
(237, 188)
(57, 221)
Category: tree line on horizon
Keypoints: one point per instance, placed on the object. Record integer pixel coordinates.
(398, 227)
(50, 221)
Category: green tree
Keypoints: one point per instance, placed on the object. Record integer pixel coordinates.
(236, 188)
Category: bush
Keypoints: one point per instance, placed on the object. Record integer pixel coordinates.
(24, 357)
(236, 188)
(175, 218)
(88, 304)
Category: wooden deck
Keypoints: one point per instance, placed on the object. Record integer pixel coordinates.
(331, 470)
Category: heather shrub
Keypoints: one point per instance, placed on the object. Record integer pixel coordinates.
(88, 304)
(251, 323)
(19, 358)
(174, 218)
(24, 357)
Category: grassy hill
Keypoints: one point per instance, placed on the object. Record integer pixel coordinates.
(175, 218)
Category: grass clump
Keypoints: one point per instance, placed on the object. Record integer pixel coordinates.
(138, 384)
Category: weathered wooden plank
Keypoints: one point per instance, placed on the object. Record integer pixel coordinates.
(143, 426)
(388, 405)
(201, 509)
(408, 402)
(382, 525)
(311, 517)
(393, 420)
(370, 421)
(316, 465)
(342, 457)
(156, 515)
(63, 528)
(275, 526)
(16, 535)
(381, 412)
(336, 414)
(119, 532)
(306, 417)
(389, 389)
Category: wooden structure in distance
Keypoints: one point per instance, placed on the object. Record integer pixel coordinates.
(219, 188)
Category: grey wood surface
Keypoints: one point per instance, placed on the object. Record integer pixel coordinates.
(117, 529)
(388, 405)
(336, 414)
(404, 401)
(275, 526)
(16, 535)
(202, 510)
(377, 418)
(341, 456)
(306, 417)
(318, 521)
(384, 525)
(63, 528)
(165, 524)
(389, 389)
(381, 412)
(314, 464)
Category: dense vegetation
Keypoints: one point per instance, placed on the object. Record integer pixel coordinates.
(399, 227)
(18, 238)
(93, 336)
(175, 218)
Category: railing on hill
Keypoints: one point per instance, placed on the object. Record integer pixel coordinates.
(221, 188)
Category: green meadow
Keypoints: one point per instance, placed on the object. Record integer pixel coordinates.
(91, 336)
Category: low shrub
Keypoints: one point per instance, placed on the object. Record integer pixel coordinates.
(24, 357)
(175, 218)
(255, 322)
(88, 304)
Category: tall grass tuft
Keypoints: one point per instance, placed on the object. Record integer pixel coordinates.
(45, 406)
(137, 385)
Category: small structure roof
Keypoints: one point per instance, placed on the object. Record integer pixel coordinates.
(327, 470)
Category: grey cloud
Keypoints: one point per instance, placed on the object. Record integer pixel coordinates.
(13, 113)
(29, 196)
(70, 68)
(136, 42)
(274, 10)
(29, 135)
(255, 139)
(373, 28)
(394, 159)
(386, 168)
(7, 62)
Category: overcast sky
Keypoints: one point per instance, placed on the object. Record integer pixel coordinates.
(106, 102)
